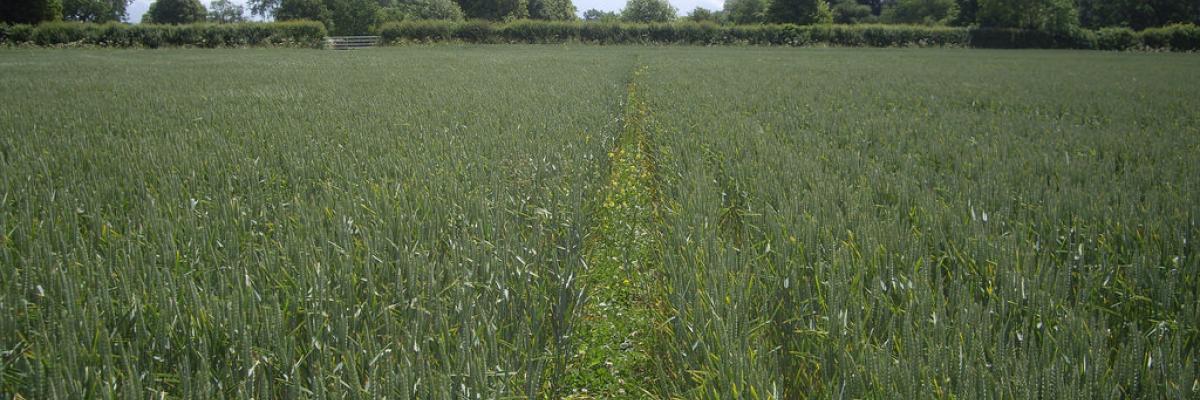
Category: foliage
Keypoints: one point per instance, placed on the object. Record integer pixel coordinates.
(1179, 38)
(851, 12)
(94, 10)
(967, 10)
(801, 12)
(701, 14)
(597, 15)
(552, 9)
(495, 10)
(264, 8)
(1137, 14)
(420, 9)
(1116, 39)
(352, 17)
(16, 34)
(30, 11)
(928, 12)
(648, 11)
(295, 33)
(341, 17)
(746, 11)
(175, 12)
(313, 10)
(225, 12)
(1043, 15)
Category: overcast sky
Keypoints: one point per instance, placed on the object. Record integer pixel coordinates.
(139, 7)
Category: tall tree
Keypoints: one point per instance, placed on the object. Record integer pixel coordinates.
(851, 12)
(94, 10)
(967, 10)
(30, 11)
(701, 14)
(264, 8)
(352, 17)
(175, 12)
(1046, 15)
(803, 12)
(746, 11)
(928, 12)
(225, 12)
(313, 10)
(551, 9)
(1137, 14)
(401, 10)
(648, 11)
(593, 14)
(495, 10)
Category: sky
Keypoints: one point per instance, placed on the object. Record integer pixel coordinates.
(139, 7)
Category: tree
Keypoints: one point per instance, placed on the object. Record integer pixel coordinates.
(746, 11)
(701, 14)
(803, 12)
(928, 12)
(603, 16)
(264, 8)
(30, 11)
(967, 10)
(552, 9)
(851, 12)
(1044, 15)
(1137, 14)
(175, 12)
(420, 9)
(302, 9)
(495, 10)
(352, 17)
(648, 11)
(94, 10)
(225, 12)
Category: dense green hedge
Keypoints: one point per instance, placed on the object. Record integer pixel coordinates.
(1175, 37)
(1182, 37)
(292, 33)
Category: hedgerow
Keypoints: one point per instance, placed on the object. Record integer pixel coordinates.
(1175, 37)
(291, 33)
(1179, 37)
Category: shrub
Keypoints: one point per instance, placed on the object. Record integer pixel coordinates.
(301, 33)
(475, 31)
(420, 31)
(19, 33)
(1009, 38)
(52, 33)
(527, 31)
(1178, 37)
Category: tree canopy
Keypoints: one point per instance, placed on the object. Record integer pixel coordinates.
(928, 12)
(802, 12)
(746, 11)
(648, 11)
(94, 10)
(30, 11)
(175, 12)
(225, 12)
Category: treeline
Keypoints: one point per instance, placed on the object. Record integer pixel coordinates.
(353, 17)
(1179, 37)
